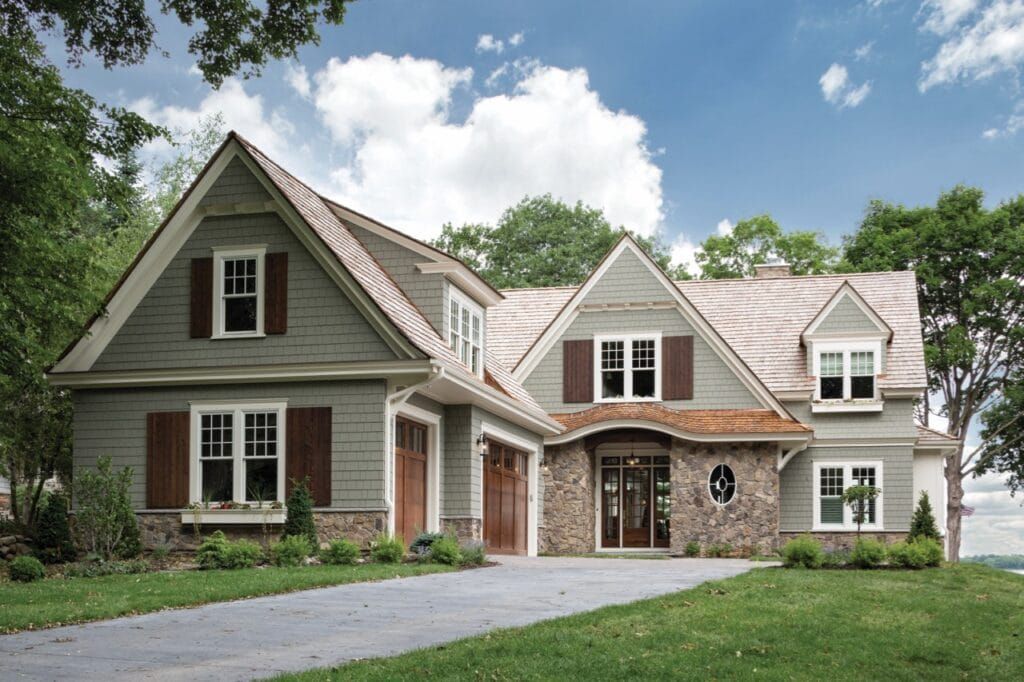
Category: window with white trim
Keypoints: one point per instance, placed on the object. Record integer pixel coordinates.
(831, 479)
(239, 454)
(846, 375)
(466, 332)
(628, 368)
(239, 292)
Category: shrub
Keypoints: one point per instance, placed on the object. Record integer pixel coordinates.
(387, 549)
(835, 559)
(867, 553)
(211, 553)
(219, 552)
(340, 552)
(907, 555)
(290, 551)
(95, 569)
(299, 521)
(932, 551)
(161, 552)
(53, 534)
(719, 550)
(474, 554)
(445, 550)
(692, 548)
(421, 545)
(922, 525)
(104, 521)
(26, 569)
(803, 551)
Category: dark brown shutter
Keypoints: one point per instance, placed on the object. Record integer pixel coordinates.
(308, 451)
(202, 298)
(677, 368)
(167, 460)
(275, 307)
(578, 371)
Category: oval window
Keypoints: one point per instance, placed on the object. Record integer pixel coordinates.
(722, 484)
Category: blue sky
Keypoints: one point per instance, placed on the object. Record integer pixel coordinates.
(678, 118)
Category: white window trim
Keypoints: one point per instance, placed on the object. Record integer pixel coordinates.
(219, 256)
(848, 521)
(627, 384)
(846, 403)
(238, 408)
(454, 295)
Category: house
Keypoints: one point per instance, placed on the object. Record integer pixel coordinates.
(266, 334)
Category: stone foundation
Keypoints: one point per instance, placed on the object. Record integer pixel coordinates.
(466, 529)
(569, 514)
(167, 529)
(750, 522)
(845, 540)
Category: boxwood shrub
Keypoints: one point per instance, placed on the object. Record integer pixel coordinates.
(803, 551)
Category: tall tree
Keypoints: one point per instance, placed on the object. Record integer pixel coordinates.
(969, 263)
(759, 239)
(542, 242)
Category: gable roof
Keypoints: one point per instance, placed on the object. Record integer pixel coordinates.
(761, 319)
(843, 292)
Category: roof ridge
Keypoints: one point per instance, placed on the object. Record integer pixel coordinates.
(836, 275)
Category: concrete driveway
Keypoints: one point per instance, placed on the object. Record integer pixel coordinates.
(256, 638)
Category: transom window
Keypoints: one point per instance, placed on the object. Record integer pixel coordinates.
(628, 368)
(239, 455)
(846, 375)
(466, 332)
(239, 292)
(831, 479)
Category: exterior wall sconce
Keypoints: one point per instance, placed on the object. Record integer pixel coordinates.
(481, 445)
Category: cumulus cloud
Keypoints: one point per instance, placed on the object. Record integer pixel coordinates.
(488, 43)
(516, 39)
(992, 42)
(684, 252)
(298, 79)
(413, 165)
(724, 227)
(839, 90)
(942, 16)
(997, 526)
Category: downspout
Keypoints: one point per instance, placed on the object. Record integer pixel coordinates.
(391, 404)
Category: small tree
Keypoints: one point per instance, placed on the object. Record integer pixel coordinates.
(858, 497)
(299, 521)
(923, 525)
(104, 519)
(53, 535)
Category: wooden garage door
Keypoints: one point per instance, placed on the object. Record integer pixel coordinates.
(410, 478)
(505, 496)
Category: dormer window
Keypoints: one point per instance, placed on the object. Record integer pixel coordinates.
(627, 368)
(862, 375)
(466, 331)
(846, 375)
(238, 295)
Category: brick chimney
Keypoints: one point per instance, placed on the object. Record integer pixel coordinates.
(772, 269)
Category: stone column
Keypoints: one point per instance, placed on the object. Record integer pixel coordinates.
(568, 473)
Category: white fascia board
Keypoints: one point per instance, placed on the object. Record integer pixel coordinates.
(497, 402)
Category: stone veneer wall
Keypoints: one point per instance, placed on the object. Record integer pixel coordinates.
(569, 515)
(750, 522)
(166, 529)
(844, 540)
(466, 529)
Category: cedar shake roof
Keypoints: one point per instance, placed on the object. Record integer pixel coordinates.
(926, 436)
(761, 319)
(373, 278)
(692, 421)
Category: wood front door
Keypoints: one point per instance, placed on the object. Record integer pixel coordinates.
(635, 500)
(410, 478)
(506, 484)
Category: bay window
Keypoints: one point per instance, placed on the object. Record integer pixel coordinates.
(627, 368)
(830, 480)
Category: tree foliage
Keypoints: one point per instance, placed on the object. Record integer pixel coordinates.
(922, 523)
(104, 520)
(542, 242)
(859, 498)
(299, 519)
(229, 37)
(969, 262)
(759, 239)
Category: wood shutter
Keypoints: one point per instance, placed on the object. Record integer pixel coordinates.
(308, 451)
(275, 290)
(578, 371)
(201, 303)
(167, 460)
(677, 368)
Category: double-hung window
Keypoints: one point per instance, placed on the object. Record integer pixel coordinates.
(239, 453)
(466, 332)
(846, 375)
(627, 368)
(830, 480)
(238, 292)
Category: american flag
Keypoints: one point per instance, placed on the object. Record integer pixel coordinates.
(965, 510)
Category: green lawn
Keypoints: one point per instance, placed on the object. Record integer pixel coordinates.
(75, 600)
(964, 622)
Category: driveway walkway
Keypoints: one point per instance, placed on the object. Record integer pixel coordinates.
(256, 638)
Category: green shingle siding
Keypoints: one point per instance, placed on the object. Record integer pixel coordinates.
(235, 185)
(846, 317)
(628, 280)
(896, 420)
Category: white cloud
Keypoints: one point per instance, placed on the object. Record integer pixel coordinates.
(298, 79)
(495, 77)
(516, 39)
(997, 526)
(837, 89)
(488, 43)
(412, 165)
(864, 51)
(942, 16)
(992, 43)
(725, 227)
(684, 252)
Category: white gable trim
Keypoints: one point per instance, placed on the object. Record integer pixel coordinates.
(173, 236)
(572, 309)
(846, 290)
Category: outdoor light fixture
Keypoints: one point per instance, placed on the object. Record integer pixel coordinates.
(632, 460)
(481, 445)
